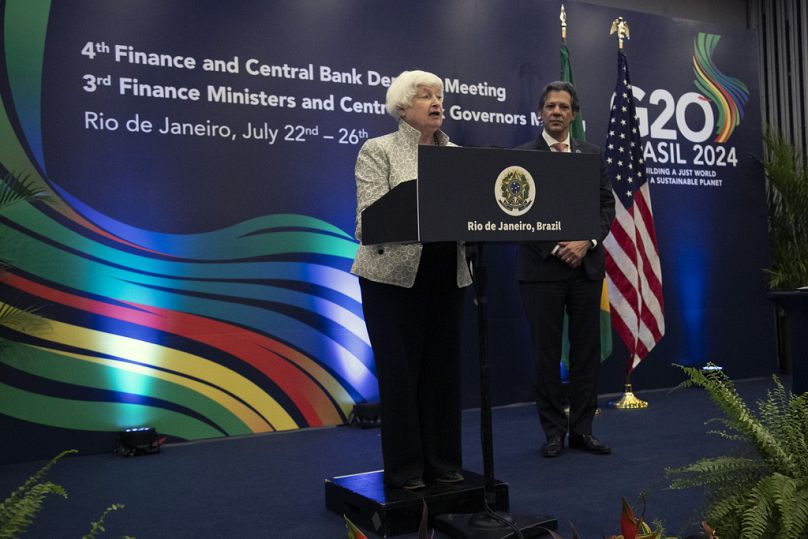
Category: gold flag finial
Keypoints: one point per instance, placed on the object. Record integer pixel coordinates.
(563, 18)
(620, 25)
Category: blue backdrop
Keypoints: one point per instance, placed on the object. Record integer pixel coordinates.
(193, 260)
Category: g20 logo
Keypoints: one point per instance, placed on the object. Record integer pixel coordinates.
(690, 116)
(693, 115)
(727, 94)
(674, 108)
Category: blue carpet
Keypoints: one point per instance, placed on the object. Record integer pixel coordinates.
(272, 485)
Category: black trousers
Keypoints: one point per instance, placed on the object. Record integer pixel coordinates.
(544, 303)
(415, 335)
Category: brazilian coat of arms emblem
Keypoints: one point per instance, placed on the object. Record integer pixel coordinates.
(515, 190)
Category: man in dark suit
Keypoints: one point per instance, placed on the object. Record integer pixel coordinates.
(555, 275)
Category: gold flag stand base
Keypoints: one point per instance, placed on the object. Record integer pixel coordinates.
(628, 401)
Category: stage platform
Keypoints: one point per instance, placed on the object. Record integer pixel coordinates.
(253, 487)
(365, 500)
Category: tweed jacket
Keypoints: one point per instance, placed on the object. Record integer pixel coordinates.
(383, 163)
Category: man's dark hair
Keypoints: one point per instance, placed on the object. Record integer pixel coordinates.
(560, 86)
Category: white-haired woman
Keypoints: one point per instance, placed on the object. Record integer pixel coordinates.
(412, 297)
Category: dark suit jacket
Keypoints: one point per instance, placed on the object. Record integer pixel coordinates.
(535, 261)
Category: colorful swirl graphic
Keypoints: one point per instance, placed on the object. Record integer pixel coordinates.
(729, 94)
(252, 328)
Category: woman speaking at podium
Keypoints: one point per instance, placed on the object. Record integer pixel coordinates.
(412, 297)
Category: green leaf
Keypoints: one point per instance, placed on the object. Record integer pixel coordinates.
(762, 491)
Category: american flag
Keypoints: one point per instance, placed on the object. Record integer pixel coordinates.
(633, 271)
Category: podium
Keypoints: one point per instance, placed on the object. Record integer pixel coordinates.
(459, 197)
(472, 195)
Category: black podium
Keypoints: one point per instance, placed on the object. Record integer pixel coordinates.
(459, 197)
(472, 195)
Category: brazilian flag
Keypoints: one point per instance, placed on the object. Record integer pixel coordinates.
(577, 133)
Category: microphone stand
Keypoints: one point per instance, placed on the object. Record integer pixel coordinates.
(488, 524)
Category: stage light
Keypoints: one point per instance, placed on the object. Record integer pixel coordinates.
(138, 441)
(710, 367)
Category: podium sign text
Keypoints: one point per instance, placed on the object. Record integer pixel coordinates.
(483, 194)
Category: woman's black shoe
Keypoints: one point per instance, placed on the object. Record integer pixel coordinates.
(416, 483)
(450, 477)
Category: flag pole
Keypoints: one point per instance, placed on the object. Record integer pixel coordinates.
(620, 25)
(627, 401)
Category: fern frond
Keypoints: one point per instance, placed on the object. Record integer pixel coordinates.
(765, 494)
(739, 417)
(724, 514)
(795, 432)
(791, 500)
(97, 526)
(15, 518)
(759, 510)
(19, 509)
(16, 188)
(728, 435)
(21, 320)
(716, 471)
(19, 493)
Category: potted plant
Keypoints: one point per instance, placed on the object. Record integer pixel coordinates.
(787, 200)
(762, 491)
